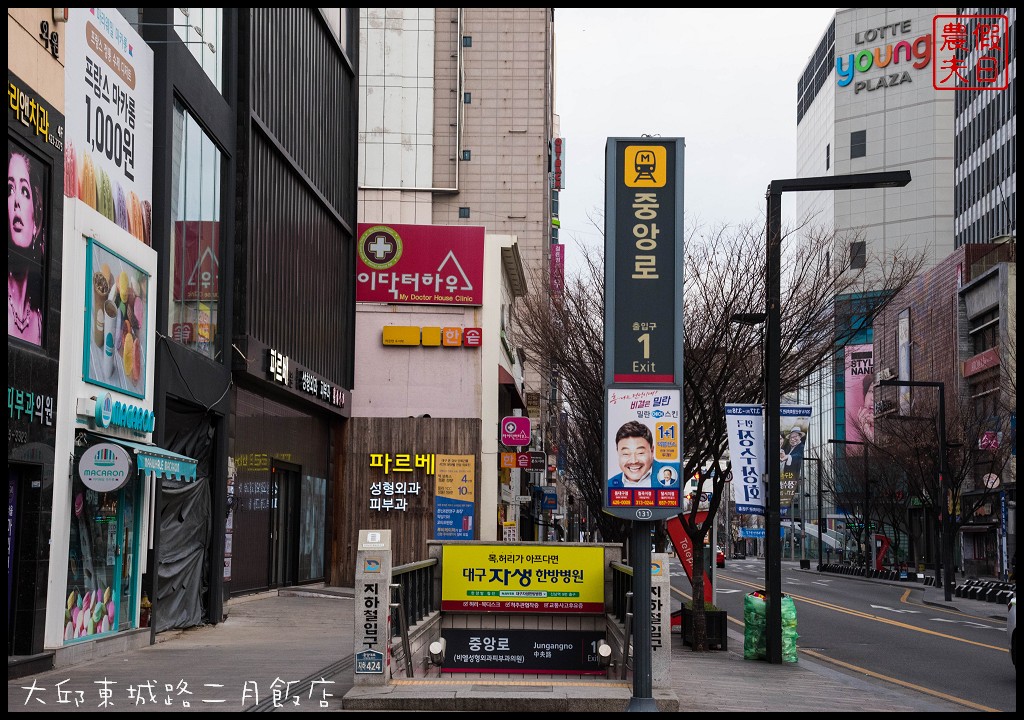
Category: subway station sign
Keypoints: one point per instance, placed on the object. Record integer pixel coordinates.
(644, 259)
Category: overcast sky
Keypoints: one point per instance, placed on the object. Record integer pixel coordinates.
(723, 79)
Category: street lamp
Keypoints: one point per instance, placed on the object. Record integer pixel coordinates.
(945, 511)
(773, 351)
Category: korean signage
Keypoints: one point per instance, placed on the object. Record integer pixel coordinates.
(393, 493)
(794, 427)
(196, 249)
(372, 638)
(644, 259)
(109, 91)
(454, 496)
(415, 336)
(643, 452)
(420, 264)
(529, 579)
(515, 431)
(522, 651)
(745, 427)
(274, 365)
(557, 270)
(557, 153)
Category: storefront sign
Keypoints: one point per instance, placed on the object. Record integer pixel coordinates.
(454, 496)
(420, 264)
(118, 414)
(105, 467)
(283, 371)
(515, 431)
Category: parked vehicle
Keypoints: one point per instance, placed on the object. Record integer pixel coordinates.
(719, 557)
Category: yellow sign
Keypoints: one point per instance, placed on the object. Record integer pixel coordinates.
(401, 335)
(432, 336)
(646, 166)
(522, 578)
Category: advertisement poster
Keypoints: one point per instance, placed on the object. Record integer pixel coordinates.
(28, 234)
(644, 448)
(116, 307)
(108, 156)
(420, 264)
(860, 395)
(515, 578)
(454, 495)
(745, 427)
(794, 424)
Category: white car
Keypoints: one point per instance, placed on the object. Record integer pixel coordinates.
(1011, 628)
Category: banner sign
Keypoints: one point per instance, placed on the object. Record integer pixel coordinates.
(794, 424)
(745, 427)
(528, 579)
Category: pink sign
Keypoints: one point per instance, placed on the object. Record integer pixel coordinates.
(557, 270)
(515, 432)
(420, 264)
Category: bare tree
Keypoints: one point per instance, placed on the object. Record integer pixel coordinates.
(724, 277)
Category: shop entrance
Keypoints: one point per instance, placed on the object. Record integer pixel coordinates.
(285, 507)
(102, 573)
(26, 598)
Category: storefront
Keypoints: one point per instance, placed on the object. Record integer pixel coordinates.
(111, 529)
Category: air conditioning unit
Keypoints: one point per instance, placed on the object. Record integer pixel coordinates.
(884, 374)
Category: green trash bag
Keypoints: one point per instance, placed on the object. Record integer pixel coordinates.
(789, 634)
(755, 623)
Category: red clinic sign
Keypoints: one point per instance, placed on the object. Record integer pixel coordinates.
(420, 264)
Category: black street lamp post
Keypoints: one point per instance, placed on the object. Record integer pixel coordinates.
(773, 351)
(945, 501)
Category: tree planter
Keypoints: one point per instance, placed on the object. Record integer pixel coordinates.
(716, 622)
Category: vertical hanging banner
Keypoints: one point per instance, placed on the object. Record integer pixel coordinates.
(745, 427)
(794, 425)
(557, 270)
(643, 326)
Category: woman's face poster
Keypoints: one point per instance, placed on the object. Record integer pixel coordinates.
(27, 189)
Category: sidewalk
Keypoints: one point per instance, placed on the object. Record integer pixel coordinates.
(291, 650)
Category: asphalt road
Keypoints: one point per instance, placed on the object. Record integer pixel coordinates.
(886, 632)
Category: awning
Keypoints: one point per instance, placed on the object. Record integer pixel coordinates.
(163, 462)
(505, 378)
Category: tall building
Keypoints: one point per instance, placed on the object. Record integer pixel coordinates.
(883, 91)
(456, 127)
(985, 192)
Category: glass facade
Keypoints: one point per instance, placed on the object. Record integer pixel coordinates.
(103, 583)
(195, 244)
(202, 31)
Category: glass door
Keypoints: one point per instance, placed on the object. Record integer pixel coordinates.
(101, 578)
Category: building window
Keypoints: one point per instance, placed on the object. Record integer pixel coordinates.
(195, 248)
(858, 255)
(467, 41)
(858, 143)
(202, 31)
(467, 154)
(463, 212)
(467, 98)
(828, 156)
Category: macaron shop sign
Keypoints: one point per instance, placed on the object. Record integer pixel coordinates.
(890, 60)
(118, 414)
(105, 467)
